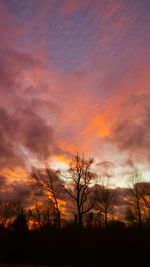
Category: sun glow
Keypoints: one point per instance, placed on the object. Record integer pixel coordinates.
(101, 126)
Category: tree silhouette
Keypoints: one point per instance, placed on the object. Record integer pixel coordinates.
(80, 177)
(134, 209)
(20, 223)
(42, 215)
(105, 201)
(138, 210)
(6, 212)
(47, 182)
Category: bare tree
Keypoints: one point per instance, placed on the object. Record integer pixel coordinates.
(18, 207)
(42, 214)
(134, 197)
(144, 192)
(9, 210)
(106, 200)
(80, 178)
(6, 212)
(35, 215)
(47, 182)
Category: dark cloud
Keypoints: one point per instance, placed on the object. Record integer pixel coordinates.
(35, 134)
(105, 164)
(9, 156)
(22, 116)
(131, 131)
(27, 129)
(16, 191)
(20, 191)
(12, 64)
(106, 168)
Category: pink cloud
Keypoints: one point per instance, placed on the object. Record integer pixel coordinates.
(50, 113)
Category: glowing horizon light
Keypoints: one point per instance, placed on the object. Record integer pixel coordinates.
(59, 163)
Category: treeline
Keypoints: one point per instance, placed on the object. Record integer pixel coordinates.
(78, 198)
(69, 246)
(72, 218)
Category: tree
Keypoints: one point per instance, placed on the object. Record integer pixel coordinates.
(134, 209)
(42, 215)
(9, 210)
(144, 192)
(105, 201)
(6, 212)
(47, 182)
(79, 190)
(20, 223)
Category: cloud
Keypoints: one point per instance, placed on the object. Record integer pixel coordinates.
(9, 156)
(35, 134)
(105, 164)
(17, 191)
(130, 131)
(129, 163)
(27, 129)
(65, 83)
(2, 181)
(69, 7)
(22, 116)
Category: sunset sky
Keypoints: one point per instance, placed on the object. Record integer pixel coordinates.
(74, 76)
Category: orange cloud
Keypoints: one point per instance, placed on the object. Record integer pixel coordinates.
(17, 174)
(98, 126)
(62, 159)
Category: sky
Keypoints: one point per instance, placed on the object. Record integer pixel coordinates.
(74, 77)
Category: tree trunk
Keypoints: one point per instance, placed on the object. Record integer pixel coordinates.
(75, 221)
(139, 213)
(106, 220)
(79, 217)
(58, 214)
(80, 221)
(58, 219)
(138, 208)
